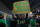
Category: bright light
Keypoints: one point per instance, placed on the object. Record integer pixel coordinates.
(38, 10)
(31, 13)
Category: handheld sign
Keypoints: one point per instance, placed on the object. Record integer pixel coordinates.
(21, 7)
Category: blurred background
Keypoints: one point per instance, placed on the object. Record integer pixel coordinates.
(6, 9)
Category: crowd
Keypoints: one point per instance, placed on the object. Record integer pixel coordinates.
(20, 21)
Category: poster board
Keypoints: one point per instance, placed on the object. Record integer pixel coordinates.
(21, 7)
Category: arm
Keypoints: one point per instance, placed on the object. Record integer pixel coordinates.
(5, 23)
(24, 21)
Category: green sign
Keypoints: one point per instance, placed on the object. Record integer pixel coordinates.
(21, 7)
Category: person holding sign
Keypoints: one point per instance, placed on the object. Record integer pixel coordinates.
(22, 21)
(33, 22)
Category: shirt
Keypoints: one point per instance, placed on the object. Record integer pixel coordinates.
(33, 22)
(2, 21)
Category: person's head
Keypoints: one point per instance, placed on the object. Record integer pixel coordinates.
(22, 16)
(33, 17)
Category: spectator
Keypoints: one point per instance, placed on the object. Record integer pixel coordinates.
(22, 21)
(33, 22)
(2, 22)
(13, 22)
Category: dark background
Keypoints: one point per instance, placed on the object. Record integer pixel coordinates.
(33, 4)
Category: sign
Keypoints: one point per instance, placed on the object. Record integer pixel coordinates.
(21, 7)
